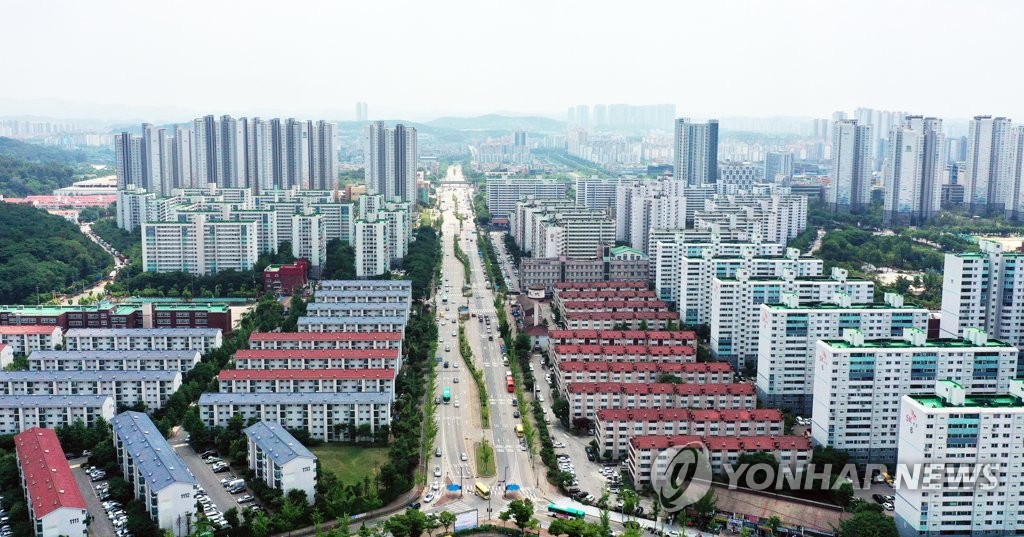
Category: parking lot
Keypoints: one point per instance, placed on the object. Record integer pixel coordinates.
(101, 525)
(218, 499)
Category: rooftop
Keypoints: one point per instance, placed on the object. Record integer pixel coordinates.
(54, 401)
(277, 443)
(353, 319)
(325, 336)
(305, 374)
(722, 443)
(155, 459)
(294, 398)
(943, 343)
(400, 293)
(90, 375)
(113, 355)
(51, 484)
(858, 306)
(27, 329)
(316, 354)
(143, 332)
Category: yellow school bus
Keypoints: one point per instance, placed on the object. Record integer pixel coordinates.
(519, 430)
(482, 490)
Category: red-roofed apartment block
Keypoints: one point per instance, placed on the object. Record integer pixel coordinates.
(33, 337)
(793, 452)
(615, 426)
(587, 398)
(55, 505)
(306, 380)
(325, 340)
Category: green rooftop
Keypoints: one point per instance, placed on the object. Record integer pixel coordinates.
(944, 343)
(1002, 400)
(834, 306)
(115, 309)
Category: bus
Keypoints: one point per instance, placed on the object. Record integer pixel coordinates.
(565, 512)
(510, 384)
(482, 490)
(447, 397)
(519, 430)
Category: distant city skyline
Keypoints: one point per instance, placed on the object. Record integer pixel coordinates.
(745, 59)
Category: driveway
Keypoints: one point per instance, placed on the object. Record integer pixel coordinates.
(205, 476)
(100, 525)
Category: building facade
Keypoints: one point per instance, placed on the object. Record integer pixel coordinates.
(56, 506)
(279, 460)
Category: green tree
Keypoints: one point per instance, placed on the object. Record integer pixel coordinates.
(867, 524)
(446, 519)
(773, 524)
(521, 514)
(707, 505)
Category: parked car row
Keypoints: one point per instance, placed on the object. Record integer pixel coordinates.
(5, 521)
(115, 512)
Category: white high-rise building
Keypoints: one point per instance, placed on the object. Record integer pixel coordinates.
(182, 167)
(858, 383)
(323, 156)
(789, 330)
(128, 155)
(646, 205)
(504, 193)
(989, 170)
(735, 301)
(199, 246)
(984, 290)
(973, 434)
(390, 161)
(916, 165)
(373, 254)
(778, 165)
(597, 192)
(696, 152)
(688, 279)
(851, 166)
(309, 239)
(669, 249)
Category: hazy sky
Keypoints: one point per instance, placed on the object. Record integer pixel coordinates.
(421, 59)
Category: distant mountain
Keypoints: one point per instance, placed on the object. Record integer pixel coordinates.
(27, 169)
(495, 122)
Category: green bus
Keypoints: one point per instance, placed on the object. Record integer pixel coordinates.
(565, 512)
(447, 397)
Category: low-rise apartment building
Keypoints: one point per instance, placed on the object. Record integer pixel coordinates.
(121, 315)
(793, 452)
(952, 429)
(790, 329)
(6, 355)
(26, 339)
(607, 320)
(306, 380)
(667, 354)
(858, 383)
(623, 337)
(587, 398)
(182, 361)
(357, 309)
(279, 460)
(152, 388)
(615, 426)
(352, 324)
(568, 307)
(56, 506)
(21, 412)
(735, 303)
(371, 296)
(566, 372)
(612, 285)
(615, 263)
(318, 359)
(325, 340)
(366, 285)
(143, 339)
(328, 417)
(157, 475)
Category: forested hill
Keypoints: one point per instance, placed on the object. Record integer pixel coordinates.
(27, 169)
(41, 250)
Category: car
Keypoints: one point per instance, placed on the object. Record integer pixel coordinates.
(86, 453)
(435, 486)
(558, 444)
(228, 479)
(414, 505)
(220, 469)
(455, 380)
(463, 456)
(437, 471)
(888, 506)
(454, 333)
(428, 498)
(245, 499)
(878, 498)
(437, 452)
(447, 365)
(515, 413)
(437, 400)
(70, 455)
(456, 403)
(208, 453)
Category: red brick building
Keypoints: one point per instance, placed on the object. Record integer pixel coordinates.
(284, 279)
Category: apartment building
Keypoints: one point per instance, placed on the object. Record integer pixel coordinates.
(182, 361)
(789, 331)
(121, 315)
(612, 320)
(624, 337)
(646, 452)
(6, 355)
(504, 193)
(319, 359)
(566, 372)
(587, 398)
(284, 280)
(615, 426)
(687, 281)
(983, 290)
(397, 296)
(735, 301)
(21, 412)
(307, 380)
(325, 340)
(152, 388)
(143, 339)
(352, 324)
(309, 238)
(366, 285)
(668, 249)
(56, 506)
(357, 309)
(279, 460)
(645, 205)
(199, 246)
(596, 353)
(370, 242)
(570, 301)
(157, 475)
(610, 285)
(328, 417)
(616, 263)
(605, 296)
(26, 339)
(858, 383)
(774, 218)
(951, 428)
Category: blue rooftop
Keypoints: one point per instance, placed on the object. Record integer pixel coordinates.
(363, 292)
(277, 443)
(107, 332)
(111, 355)
(387, 319)
(91, 375)
(155, 459)
(50, 401)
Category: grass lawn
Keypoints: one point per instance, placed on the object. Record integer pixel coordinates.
(351, 463)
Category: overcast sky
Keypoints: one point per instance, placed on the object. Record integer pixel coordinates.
(421, 59)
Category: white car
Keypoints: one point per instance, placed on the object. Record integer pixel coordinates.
(428, 498)
(437, 471)
(456, 403)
